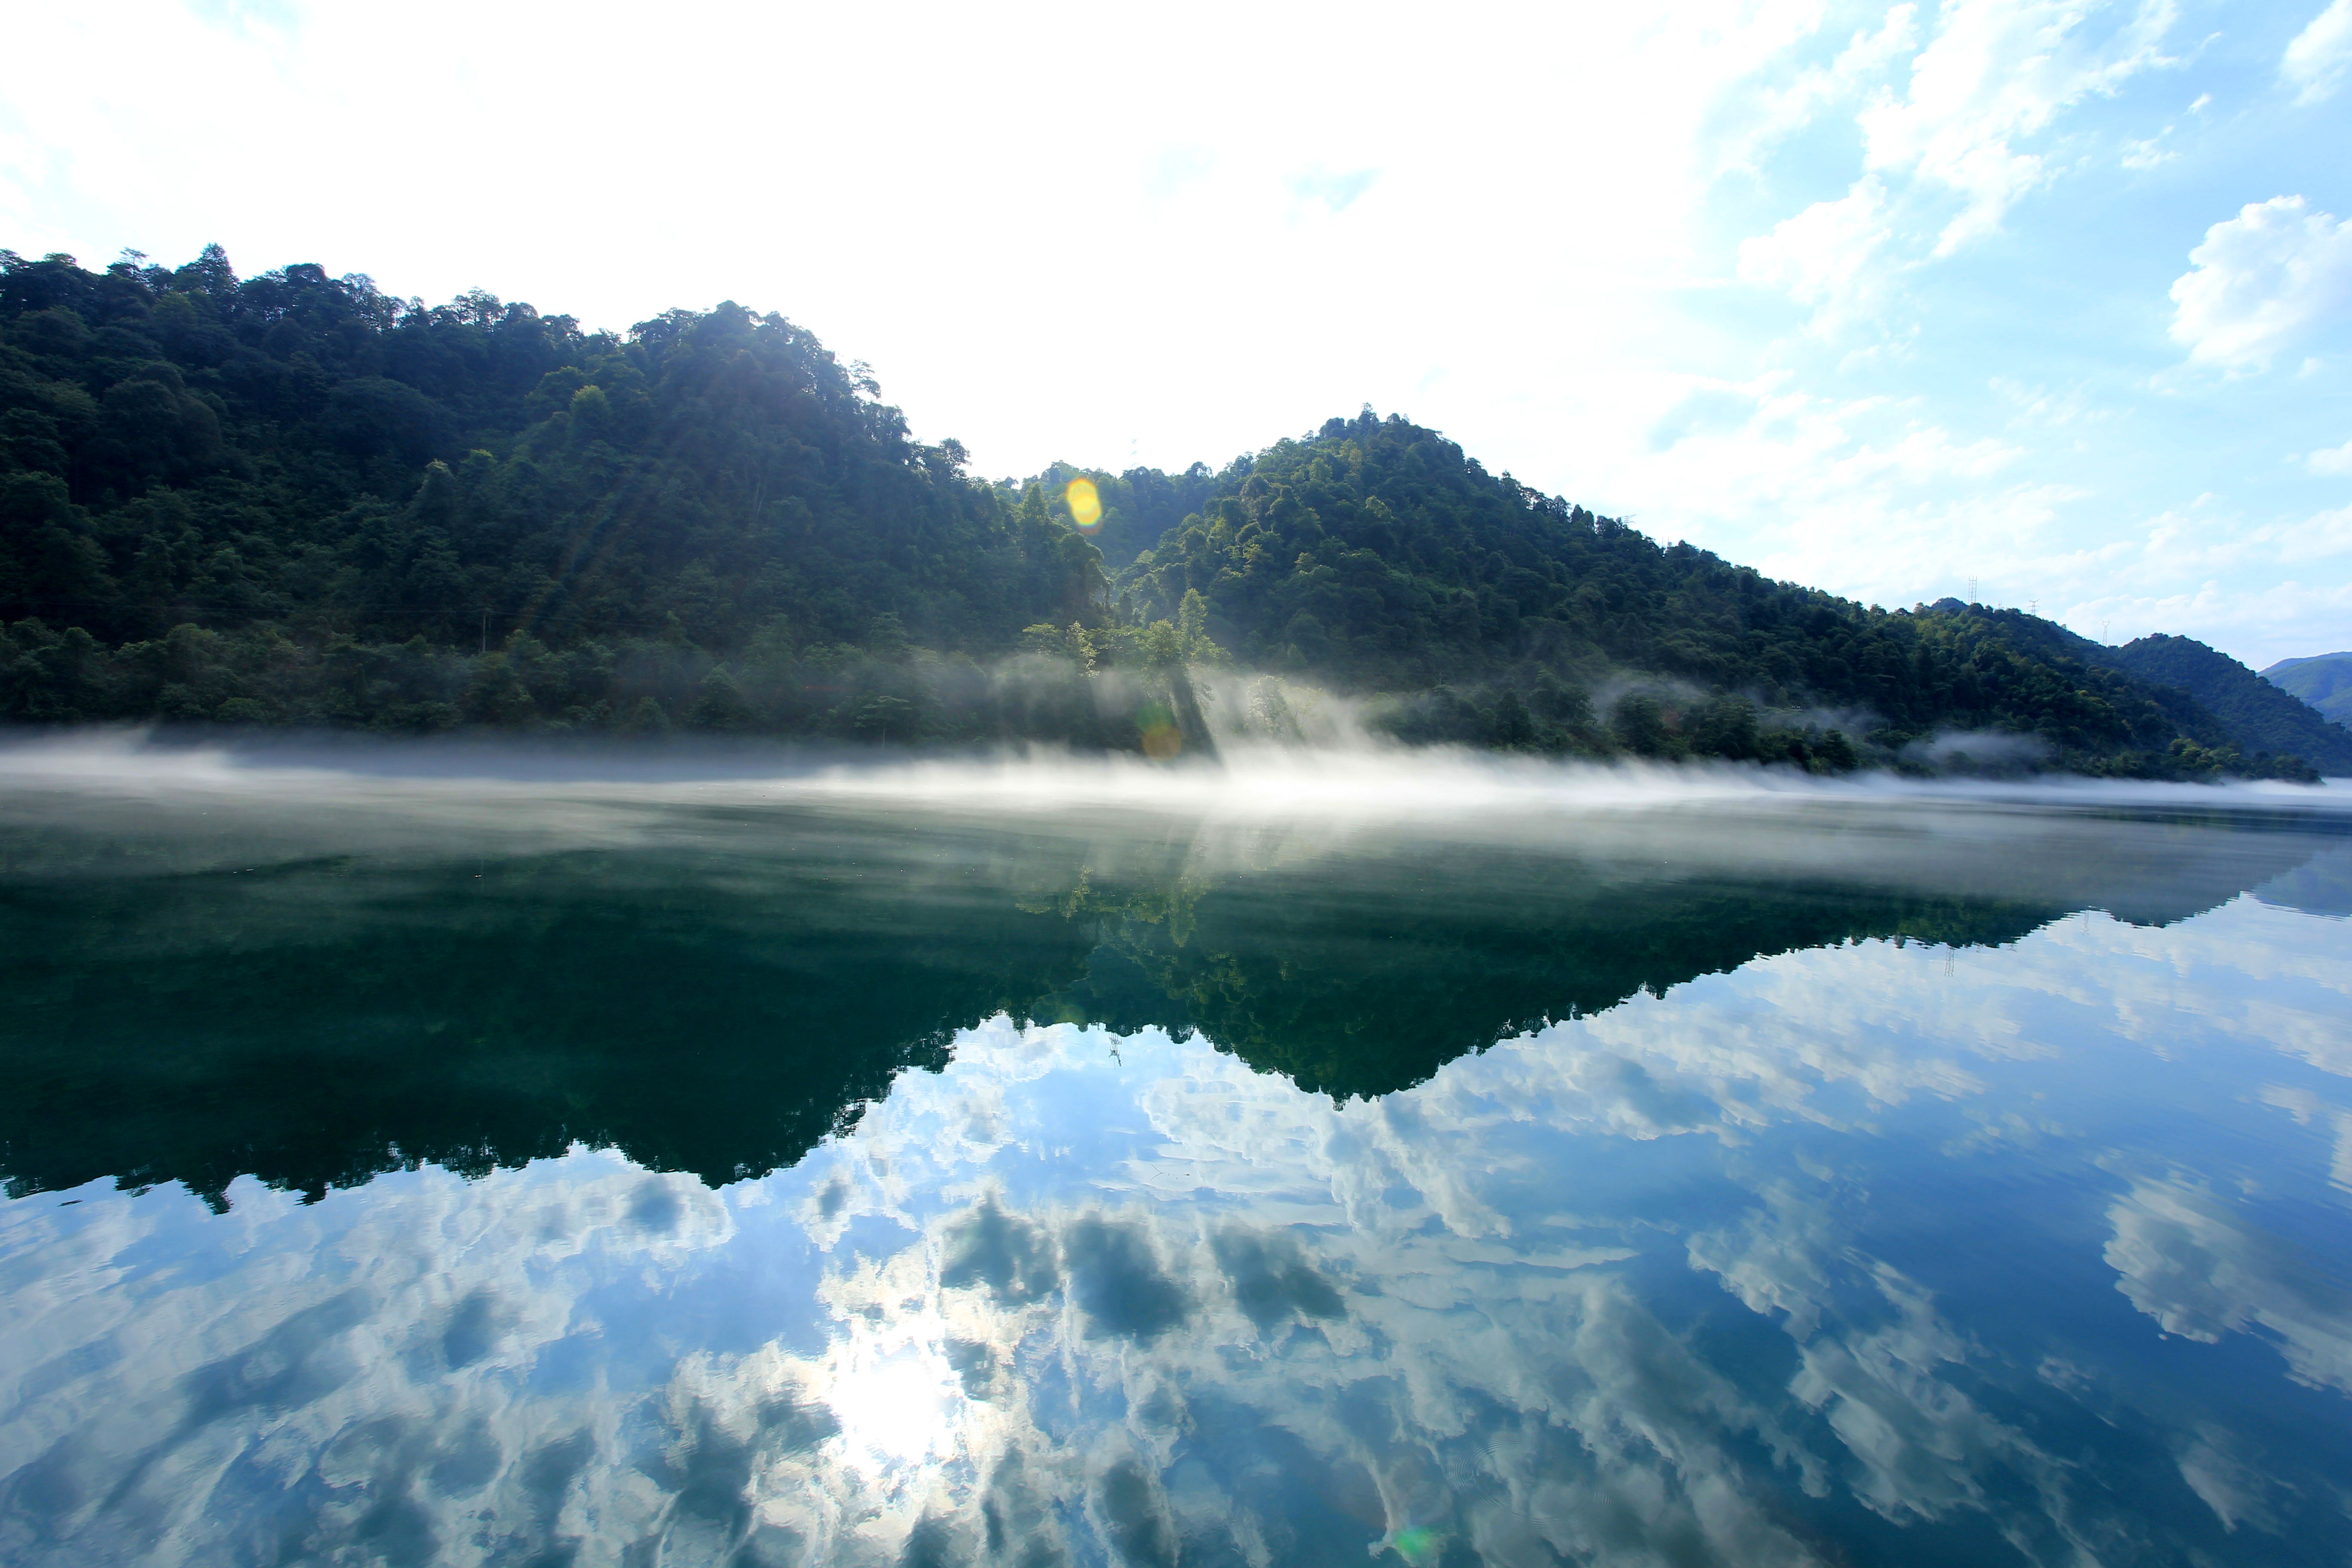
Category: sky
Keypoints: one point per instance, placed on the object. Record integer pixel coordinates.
(2044, 302)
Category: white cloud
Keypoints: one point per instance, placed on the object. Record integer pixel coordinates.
(1785, 109)
(2319, 55)
(1999, 71)
(1996, 76)
(2331, 461)
(1820, 256)
(2150, 152)
(2318, 538)
(1863, 494)
(2259, 624)
(2263, 281)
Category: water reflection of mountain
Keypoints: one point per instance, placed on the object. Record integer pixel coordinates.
(315, 1024)
(2321, 886)
(718, 1003)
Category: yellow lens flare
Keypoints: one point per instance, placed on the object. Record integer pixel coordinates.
(1085, 504)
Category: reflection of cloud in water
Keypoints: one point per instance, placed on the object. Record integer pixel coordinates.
(2185, 1262)
(350, 1368)
(1049, 1305)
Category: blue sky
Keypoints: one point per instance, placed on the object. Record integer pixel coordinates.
(2052, 298)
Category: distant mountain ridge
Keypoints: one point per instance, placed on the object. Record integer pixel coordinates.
(2323, 680)
(296, 499)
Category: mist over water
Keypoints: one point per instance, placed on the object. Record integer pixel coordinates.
(456, 1153)
(1437, 789)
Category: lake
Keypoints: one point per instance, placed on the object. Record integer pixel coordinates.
(441, 1155)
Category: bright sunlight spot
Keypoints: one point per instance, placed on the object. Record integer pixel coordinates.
(895, 1406)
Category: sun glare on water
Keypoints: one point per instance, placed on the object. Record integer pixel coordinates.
(897, 1406)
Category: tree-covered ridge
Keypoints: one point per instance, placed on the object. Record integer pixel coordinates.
(184, 446)
(2209, 696)
(2257, 714)
(294, 498)
(2323, 680)
(1378, 553)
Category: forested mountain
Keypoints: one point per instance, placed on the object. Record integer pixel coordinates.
(295, 498)
(2257, 714)
(2210, 697)
(2324, 681)
(2189, 679)
(1376, 551)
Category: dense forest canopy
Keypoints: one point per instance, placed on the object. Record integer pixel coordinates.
(295, 498)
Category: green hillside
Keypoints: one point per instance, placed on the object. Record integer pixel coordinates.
(2209, 695)
(2258, 714)
(2323, 680)
(1378, 553)
(296, 499)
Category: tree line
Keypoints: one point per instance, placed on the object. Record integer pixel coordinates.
(295, 498)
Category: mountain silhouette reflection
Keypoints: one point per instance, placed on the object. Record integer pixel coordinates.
(720, 1001)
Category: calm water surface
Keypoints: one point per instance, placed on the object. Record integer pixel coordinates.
(1444, 1164)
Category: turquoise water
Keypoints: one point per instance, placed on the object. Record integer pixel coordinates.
(950, 1162)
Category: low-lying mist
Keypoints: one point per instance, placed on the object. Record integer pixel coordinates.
(1160, 691)
(476, 796)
